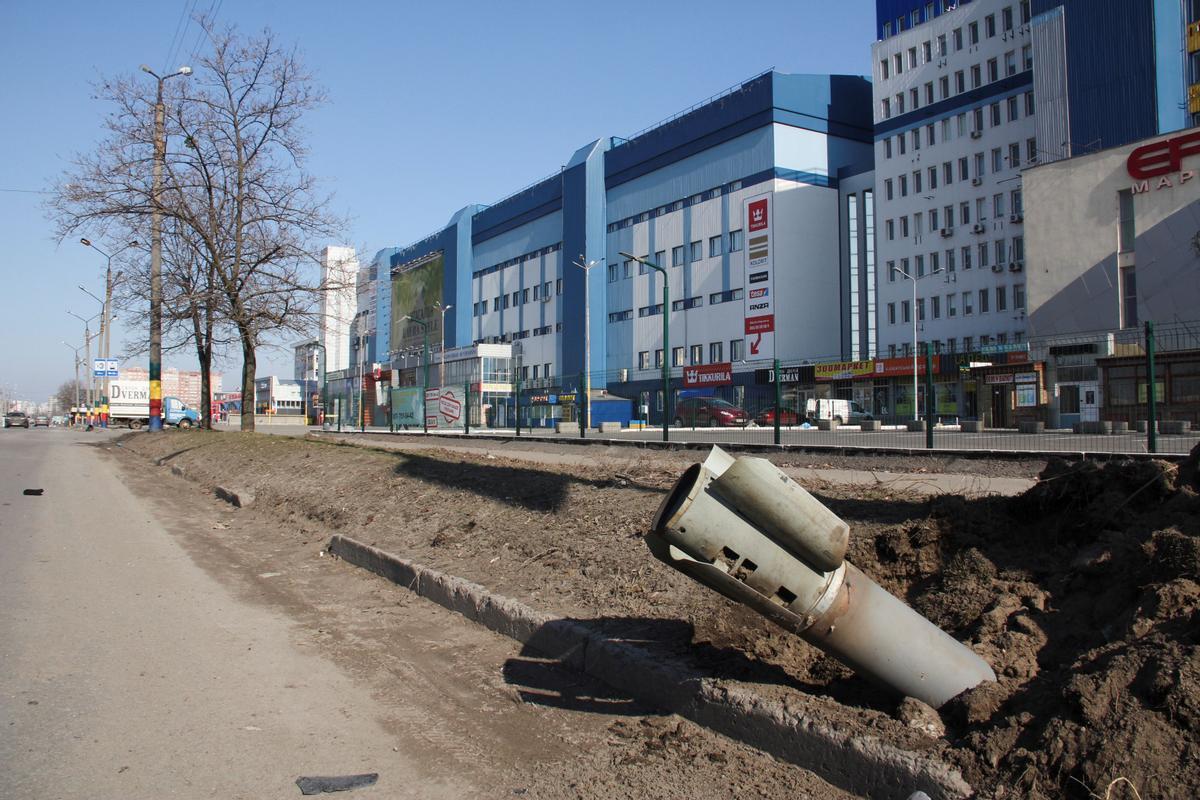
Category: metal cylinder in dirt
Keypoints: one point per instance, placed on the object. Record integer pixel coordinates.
(784, 511)
(702, 524)
(878, 636)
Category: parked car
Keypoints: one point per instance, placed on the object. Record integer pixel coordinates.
(708, 412)
(41, 419)
(846, 412)
(787, 416)
(16, 419)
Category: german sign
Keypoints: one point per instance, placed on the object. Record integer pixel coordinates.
(708, 375)
(759, 296)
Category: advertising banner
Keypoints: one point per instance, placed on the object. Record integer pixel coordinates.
(720, 374)
(407, 408)
(416, 289)
(845, 370)
(444, 408)
(759, 281)
(893, 367)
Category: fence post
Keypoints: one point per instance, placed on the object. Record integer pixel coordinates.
(467, 413)
(1151, 393)
(517, 398)
(581, 401)
(391, 404)
(778, 401)
(339, 413)
(930, 400)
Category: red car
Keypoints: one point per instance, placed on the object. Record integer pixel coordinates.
(703, 412)
(786, 417)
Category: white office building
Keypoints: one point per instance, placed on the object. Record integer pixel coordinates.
(954, 125)
(339, 272)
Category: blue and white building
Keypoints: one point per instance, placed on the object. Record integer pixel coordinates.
(778, 167)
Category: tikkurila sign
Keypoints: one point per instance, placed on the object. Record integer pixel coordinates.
(708, 375)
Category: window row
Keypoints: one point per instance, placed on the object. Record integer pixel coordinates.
(540, 291)
(915, 18)
(530, 256)
(694, 353)
(978, 75)
(1009, 254)
(951, 344)
(694, 252)
(967, 123)
(944, 220)
(677, 205)
(512, 336)
(950, 307)
(685, 304)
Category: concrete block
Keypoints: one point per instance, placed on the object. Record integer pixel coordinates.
(915, 425)
(1031, 426)
(1120, 426)
(827, 424)
(397, 570)
(450, 592)
(239, 498)
(1095, 428)
(567, 427)
(609, 427)
(972, 426)
(870, 425)
(1174, 427)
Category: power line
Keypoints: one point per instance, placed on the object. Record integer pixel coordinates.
(210, 16)
(28, 191)
(191, 11)
(175, 37)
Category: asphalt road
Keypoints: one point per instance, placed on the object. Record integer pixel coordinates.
(155, 643)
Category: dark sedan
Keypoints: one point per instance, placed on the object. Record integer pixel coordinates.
(16, 419)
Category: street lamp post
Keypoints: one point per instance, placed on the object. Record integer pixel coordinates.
(913, 312)
(324, 384)
(425, 384)
(442, 368)
(87, 348)
(160, 154)
(106, 304)
(586, 266)
(76, 350)
(666, 369)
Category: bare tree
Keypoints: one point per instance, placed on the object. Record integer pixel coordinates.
(246, 216)
(69, 391)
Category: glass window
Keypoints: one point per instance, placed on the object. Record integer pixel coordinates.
(883, 69)
(964, 214)
(1031, 150)
(935, 307)
(995, 109)
(1126, 224)
(958, 39)
(887, 188)
(967, 304)
(697, 251)
(1010, 62)
(1013, 110)
(1027, 56)
(736, 241)
(920, 309)
(989, 25)
(1006, 17)
(1001, 251)
(735, 350)
(1029, 104)
(1001, 298)
(644, 359)
(997, 159)
(697, 354)
(715, 246)
(941, 45)
(1014, 155)
(993, 70)
(983, 301)
(1019, 296)
(950, 265)
(905, 311)
(944, 86)
(976, 76)
(984, 254)
(677, 256)
(1129, 310)
(950, 309)
(973, 33)
(676, 356)
(716, 352)
(891, 312)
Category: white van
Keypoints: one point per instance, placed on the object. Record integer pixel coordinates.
(846, 412)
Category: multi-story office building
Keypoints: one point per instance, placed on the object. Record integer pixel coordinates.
(968, 95)
(756, 205)
(339, 272)
(954, 111)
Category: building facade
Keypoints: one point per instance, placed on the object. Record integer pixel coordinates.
(339, 272)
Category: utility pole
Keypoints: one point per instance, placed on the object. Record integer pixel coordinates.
(913, 312)
(586, 266)
(160, 155)
(106, 304)
(76, 351)
(666, 368)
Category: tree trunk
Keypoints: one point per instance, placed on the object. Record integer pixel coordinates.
(248, 367)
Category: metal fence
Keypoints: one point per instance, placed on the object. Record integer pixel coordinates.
(1079, 393)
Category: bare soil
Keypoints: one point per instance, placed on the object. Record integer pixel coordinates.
(1083, 594)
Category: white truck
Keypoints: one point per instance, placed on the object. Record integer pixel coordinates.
(129, 403)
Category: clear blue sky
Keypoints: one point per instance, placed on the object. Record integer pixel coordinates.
(432, 106)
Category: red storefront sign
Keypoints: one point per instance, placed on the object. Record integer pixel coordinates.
(1162, 158)
(760, 324)
(708, 375)
(758, 215)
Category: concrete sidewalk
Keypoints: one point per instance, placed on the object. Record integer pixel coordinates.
(552, 454)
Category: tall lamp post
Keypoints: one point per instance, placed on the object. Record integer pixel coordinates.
(586, 266)
(324, 384)
(913, 311)
(160, 155)
(442, 368)
(425, 384)
(666, 368)
(106, 304)
(76, 349)
(87, 348)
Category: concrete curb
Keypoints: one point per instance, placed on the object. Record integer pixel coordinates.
(238, 498)
(861, 764)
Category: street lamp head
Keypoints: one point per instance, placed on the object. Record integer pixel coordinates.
(86, 242)
(185, 70)
(134, 243)
(146, 68)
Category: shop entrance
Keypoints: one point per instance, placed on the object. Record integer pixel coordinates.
(1001, 405)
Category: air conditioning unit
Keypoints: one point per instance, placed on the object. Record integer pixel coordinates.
(1016, 218)
(979, 227)
(977, 181)
(976, 134)
(1016, 266)
(947, 233)
(997, 268)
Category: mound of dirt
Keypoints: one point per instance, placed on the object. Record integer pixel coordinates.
(1083, 594)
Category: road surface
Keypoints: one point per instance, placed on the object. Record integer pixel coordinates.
(154, 644)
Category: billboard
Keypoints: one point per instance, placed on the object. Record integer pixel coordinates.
(443, 409)
(416, 289)
(760, 303)
(407, 406)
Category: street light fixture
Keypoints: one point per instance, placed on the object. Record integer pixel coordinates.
(586, 266)
(913, 311)
(666, 312)
(76, 349)
(106, 303)
(160, 153)
(442, 369)
(87, 347)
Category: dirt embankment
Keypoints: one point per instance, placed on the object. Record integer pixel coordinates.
(1084, 593)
